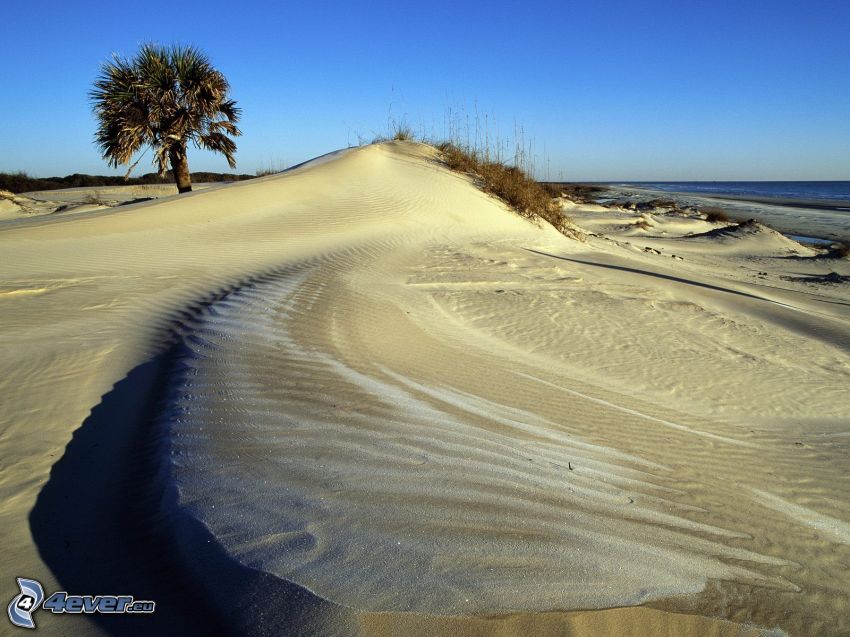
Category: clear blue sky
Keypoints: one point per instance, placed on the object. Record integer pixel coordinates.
(627, 90)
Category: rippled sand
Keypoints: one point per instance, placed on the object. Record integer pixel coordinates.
(408, 411)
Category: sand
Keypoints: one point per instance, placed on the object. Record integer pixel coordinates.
(818, 218)
(364, 397)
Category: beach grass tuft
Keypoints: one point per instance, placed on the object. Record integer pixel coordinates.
(95, 199)
(403, 133)
(509, 183)
(715, 215)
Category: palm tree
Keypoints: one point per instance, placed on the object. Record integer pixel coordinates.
(164, 98)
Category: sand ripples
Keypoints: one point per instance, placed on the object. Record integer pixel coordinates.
(316, 449)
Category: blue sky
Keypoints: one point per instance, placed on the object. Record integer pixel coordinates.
(604, 90)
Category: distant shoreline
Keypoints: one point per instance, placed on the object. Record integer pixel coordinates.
(824, 219)
(815, 204)
(836, 205)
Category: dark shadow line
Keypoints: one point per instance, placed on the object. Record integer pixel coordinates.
(108, 522)
(668, 277)
(795, 320)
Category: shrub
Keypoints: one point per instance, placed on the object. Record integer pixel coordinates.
(663, 203)
(578, 193)
(96, 200)
(21, 182)
(510, 184)
(715, 215)
(397, 131)
(403, 133)
(554, 190)
(271, 168)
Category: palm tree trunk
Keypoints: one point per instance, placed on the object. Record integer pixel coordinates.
(180, 169)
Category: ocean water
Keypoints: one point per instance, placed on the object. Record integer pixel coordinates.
(812, 209)
(838, 191)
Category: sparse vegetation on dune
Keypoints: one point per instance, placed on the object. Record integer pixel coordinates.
(578, 193)
(403, 133)
(509, 183)
(651, 205)
(643, 223)
(272, 168)
(95, 199)
(512, 183)
(502, 166)
(664, 203)
(715, 215)
(398, 132)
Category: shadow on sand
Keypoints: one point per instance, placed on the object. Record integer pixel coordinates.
(107, 522)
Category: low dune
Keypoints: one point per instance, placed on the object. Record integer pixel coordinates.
(25, 207)
(364, 397)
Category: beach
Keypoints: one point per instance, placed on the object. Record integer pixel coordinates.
(364, 397)
(802, 215)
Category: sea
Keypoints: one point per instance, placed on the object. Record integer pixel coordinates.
(802, 209)
(838, 191)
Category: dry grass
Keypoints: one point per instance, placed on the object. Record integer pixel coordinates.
(554, 190)
(510, 184)
(577, 193)
(271, 168)
(95, 200)
(663, 203)
(398, 132)
(715, 215)
(403, 133)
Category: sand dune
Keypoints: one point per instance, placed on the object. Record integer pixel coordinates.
(364, 397)
(24, 207)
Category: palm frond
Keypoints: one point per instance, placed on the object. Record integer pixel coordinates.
(220, 143)
(164, 97)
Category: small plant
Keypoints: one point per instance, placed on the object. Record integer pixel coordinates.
(95, 200)
(403, 133)
(663, 203)
(578, 193)
(397, 131)
(271, 169)
(715, 215)
(555, 190)
(510, 184)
